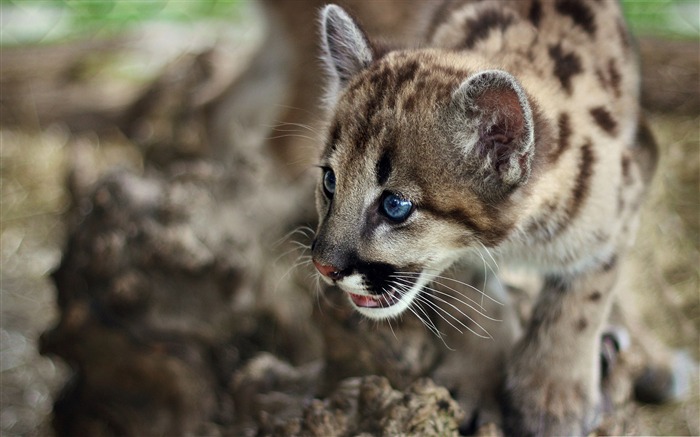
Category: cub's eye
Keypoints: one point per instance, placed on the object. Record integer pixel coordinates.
(328, 182)
(396, 208)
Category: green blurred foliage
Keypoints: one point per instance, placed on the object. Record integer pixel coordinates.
(52, 20)
(121, 13)
(674, 18)
(669, 18)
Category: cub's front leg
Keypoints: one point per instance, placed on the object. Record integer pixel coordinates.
(552, 384)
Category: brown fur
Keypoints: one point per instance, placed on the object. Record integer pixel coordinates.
(512, 130)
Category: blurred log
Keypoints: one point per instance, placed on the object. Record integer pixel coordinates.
(166, 286)
(670, 75)
(40, 85)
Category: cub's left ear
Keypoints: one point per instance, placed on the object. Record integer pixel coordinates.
(497, 128)
(346, 49)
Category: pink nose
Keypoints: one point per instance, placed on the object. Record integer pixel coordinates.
(328, 271)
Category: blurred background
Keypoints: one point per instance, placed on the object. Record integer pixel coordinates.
(71, 73)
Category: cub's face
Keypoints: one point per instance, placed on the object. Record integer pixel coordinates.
(382, 232)
(420, 159)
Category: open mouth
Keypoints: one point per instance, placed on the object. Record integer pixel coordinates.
(383, 300)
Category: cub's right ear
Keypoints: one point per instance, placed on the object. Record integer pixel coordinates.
(346, 49)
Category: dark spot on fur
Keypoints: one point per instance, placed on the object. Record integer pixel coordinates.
(443, 405)
(620, 199)
(610, 78)
(566, 65)
(647, 151)
(610, 264)
(535, 14)
(405, 74)
(579, 13)
(583, 181)
(601, 78)
(563, 142)
(582, 324)
(383, 168)
(367, 126)
(595, 296)
(604, 119)
(556, 283)
(488, 231)
(625, 162)
(409, 104)
(479, 28)
(615, 77)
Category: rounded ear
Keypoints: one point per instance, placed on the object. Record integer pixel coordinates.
(500, 136)
(346, 49)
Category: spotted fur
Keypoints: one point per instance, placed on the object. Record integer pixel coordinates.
(513, 128)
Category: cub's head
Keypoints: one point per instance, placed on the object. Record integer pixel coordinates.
(423, 157)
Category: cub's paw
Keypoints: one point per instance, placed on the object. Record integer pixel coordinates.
(539, 406)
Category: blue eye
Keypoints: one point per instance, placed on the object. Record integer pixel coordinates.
(396, 208)
(329, 182)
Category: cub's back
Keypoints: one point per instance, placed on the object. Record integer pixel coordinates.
(577, 54)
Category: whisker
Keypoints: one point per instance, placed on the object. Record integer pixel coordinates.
(291, 136)
(489, 265)
(303, 230)
(300, 261)
(437, 276)
(296, 108)
(486, 273)
(300, 245)
(488, 252)
(389, 320)
(437, 307)
(449, 288)
(291, 124)
(427, 322)
(484, 315)
(402, 289)
(480, 310)
(438, 312)
(287, 252)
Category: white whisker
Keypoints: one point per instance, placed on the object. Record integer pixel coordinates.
(306, 231)
(300, 261)
(488, 252)
(477, 310)
(402, 289)
(435, 277)
(290, 124)
(438, 311)
(482, 314)
(296, 108)
(438, 308)
(448, 287)
(287, 252)
(291, 136)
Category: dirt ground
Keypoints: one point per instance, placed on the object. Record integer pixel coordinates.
(664, 266)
